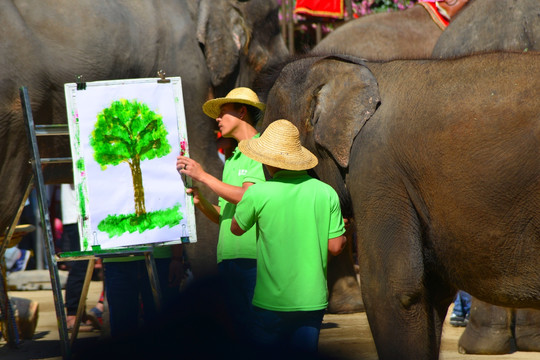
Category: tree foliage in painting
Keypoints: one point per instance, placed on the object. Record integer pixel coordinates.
(129, 132)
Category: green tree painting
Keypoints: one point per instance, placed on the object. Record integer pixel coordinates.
(129, 132)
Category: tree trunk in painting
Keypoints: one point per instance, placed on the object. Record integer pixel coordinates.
(138, 188)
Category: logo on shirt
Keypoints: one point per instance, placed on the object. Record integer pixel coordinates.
(242, 172)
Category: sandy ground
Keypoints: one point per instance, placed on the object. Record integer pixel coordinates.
(342, 336)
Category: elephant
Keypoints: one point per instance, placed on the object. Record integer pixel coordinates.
(438, 161)
(506, 25)
(510, 25)
(212, 45)
(407, 34)
(496, 330)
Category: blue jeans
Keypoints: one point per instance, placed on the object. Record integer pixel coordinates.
(124, 283)
(462, 304)
(238, 277)
(295, 331)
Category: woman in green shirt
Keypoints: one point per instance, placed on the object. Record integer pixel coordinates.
(236, 115)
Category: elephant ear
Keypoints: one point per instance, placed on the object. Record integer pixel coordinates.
(346, 95)
(224, 34)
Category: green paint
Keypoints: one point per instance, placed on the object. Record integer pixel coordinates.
(129, 132)
(104, 252)
(82, 210)
(116, 225)
(80, 165)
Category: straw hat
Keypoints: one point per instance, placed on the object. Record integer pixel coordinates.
(279, 146)
(240, 95)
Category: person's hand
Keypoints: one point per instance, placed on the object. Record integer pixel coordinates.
(176, 272)
(194, 191)
(190, 167)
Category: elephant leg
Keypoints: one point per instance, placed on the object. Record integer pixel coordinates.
(488, 331)
(527, 330)
(345, 296)
(405, 320)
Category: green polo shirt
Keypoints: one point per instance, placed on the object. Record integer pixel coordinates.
(238, 170)
(295, 216)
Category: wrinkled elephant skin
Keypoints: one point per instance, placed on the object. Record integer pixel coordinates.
(496, 330)
(510, 25)
(489, 331)
(438, 161)
(212, 45)
(504, 25)
(407, 34)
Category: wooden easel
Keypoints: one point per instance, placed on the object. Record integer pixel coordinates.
(37, 182)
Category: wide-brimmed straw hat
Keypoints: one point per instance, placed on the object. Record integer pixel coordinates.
(279, 146)
(240, 95)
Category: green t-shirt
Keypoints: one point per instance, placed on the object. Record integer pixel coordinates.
(238, 170)
(295, 216)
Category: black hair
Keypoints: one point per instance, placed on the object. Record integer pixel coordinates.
(255, 114)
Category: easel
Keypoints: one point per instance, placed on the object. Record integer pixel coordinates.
(37, 182)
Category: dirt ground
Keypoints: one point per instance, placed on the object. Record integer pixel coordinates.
(342, 336)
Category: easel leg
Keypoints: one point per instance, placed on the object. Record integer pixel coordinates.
(39, 184)
(82, 301)
(154, 280)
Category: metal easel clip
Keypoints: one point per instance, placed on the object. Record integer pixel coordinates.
(81, 85)
(162, 79)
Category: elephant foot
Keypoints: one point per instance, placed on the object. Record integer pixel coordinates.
(488, 331)
(527, 330)
(346, 297)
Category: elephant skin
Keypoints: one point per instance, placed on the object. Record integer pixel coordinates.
(489, 331)
(407, 34)
(496, 330)
(486, 25)
(527, 329)
(504, 25)
(344, 292)
(212, 45)
(439, 163)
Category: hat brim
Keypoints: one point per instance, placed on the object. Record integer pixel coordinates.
(212, 107)
(299, 160)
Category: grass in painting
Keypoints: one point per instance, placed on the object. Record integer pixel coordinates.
(116, 225)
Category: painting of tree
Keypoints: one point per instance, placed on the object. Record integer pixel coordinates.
(125, 137)
(129, 132)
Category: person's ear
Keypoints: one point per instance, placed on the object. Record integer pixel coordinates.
(243, 111)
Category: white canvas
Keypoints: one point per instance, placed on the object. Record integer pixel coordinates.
(107, 195)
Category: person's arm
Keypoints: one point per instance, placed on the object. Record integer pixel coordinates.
(235, 228)
(336, 245)
(193, 169)
(210, 210)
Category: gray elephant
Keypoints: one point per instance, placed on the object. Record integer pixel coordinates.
(485, 25)
(213, 45)
(508, 25)
(495, 330)
(407, 34)
(439, 162)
